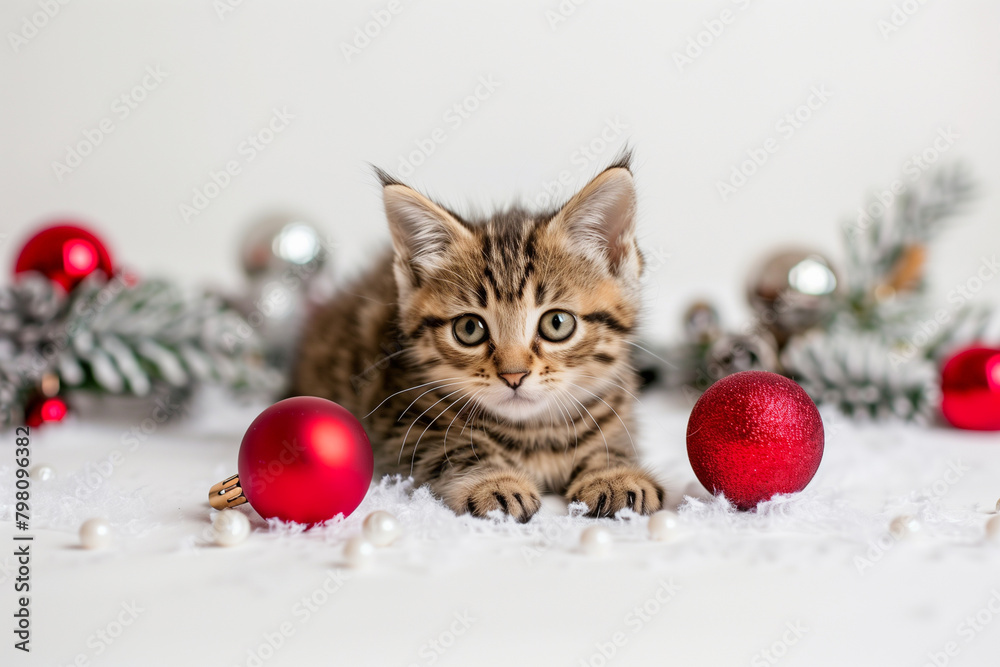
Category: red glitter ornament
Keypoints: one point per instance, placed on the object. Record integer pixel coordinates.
(305, 459)
(752, 435)
(65, 254)
(970, 389)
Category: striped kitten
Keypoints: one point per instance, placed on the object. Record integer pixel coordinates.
(491, 357)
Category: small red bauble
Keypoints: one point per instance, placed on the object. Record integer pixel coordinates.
(65, 254)
(970, 389)
(45, 410)
(752, 435)
(305, 459)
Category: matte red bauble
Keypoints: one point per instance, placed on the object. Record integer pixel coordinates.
(970, 389)
(305, 459)
(65, 254)
(752, 435)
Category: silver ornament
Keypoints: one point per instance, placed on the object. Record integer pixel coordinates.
(276, 312)
(733, 353)
(281, 243)
(793, 291)
(285, 258)
(701, 322)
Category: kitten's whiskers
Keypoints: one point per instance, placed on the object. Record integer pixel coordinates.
(607, 449)
(652, 354)
(624, 425)
(403, 391)
(413, 458)
(464, 405)
(568, 418)
(442, 386)
(407, 434)
(614, 384)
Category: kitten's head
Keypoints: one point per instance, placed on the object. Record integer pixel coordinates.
(526, 315)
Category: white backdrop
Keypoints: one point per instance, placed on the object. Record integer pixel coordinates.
(546, 91)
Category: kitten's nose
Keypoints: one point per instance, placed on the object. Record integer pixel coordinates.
(514, 379)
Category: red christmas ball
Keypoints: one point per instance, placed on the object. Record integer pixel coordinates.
(65, 254)
(970, 389)
(305, 459)
(45, 410)
(752, 435)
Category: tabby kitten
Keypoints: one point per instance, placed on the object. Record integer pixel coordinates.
(490, 358)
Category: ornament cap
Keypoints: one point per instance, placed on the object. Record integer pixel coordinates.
(226, 493)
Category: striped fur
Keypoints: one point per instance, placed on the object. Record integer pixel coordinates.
(438, 410)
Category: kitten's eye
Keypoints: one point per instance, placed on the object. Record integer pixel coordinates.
(557, 325)
(470, 330)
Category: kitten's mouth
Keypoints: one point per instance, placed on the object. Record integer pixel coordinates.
(518, 397)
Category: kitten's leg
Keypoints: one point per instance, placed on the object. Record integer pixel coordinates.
(483, 486)
(607, 483)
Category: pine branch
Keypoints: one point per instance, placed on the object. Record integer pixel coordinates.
(111, 337)
(863, 375)
(128, 338)
(886, 249)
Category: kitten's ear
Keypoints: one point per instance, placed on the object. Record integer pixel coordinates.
(421, 230)
(599, 221)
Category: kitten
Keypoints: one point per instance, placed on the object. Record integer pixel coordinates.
(490, 358)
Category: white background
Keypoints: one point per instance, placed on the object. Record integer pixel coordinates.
(559, 85)
(744, 576)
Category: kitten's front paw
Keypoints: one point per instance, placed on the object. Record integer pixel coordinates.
(506, 490)
(607, 490)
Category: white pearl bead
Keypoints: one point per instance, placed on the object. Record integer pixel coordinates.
(998, 506)
(230, 527)
(596, 541)
(95, 534)
(663, 525)
(904, 526)
(359, 552)
(993, 527)
(381, 528)
(42, 472)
